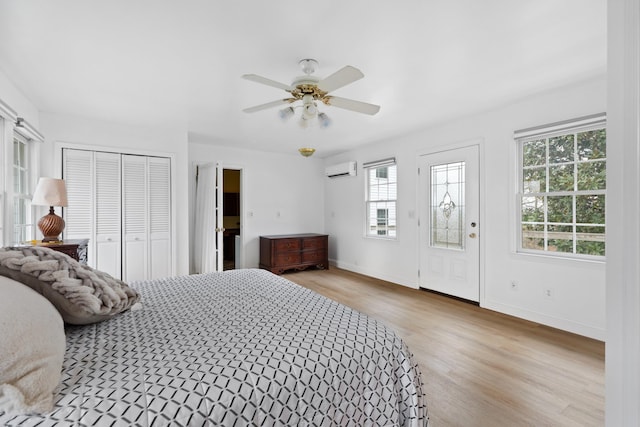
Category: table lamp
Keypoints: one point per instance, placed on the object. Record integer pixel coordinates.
(50, 192)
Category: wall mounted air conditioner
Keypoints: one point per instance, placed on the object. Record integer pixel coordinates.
(342, 169)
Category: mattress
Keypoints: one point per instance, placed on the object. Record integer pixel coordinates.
(243, 347)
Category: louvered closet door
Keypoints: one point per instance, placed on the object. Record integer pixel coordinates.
(108, 209)
(159, 185)
(134, 218)
(77, 171)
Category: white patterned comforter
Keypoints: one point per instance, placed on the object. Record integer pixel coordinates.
(238, 348)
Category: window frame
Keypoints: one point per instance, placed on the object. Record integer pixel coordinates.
(28, 167)
(372, 229)
(575, 126)
(13, 127)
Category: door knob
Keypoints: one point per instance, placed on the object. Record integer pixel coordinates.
(472, 235)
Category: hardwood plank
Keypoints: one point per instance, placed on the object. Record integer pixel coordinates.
(480, 368)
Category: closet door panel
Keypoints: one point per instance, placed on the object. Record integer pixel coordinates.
(77, 171)
(108, 213)
(159, 182)
(134, 218)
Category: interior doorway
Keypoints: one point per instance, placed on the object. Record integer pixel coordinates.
(231, 218)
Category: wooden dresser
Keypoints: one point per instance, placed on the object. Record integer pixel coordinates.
(279, 253)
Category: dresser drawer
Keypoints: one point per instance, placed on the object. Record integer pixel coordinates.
(286, 259)
(313, 256)
(287, 245)
(314, 243)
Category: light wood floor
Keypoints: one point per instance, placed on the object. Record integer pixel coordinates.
(480, 368)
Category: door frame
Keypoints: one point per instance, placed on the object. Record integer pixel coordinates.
(479, 142)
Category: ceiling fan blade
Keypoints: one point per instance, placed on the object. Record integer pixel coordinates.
(350, 104)
(269, 105)
(340, 78)
(265, 81)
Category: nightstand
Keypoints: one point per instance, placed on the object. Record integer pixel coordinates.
(75, 248)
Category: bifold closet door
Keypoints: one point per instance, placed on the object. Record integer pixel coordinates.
(108, 207)
(159, 174)
(122, 204)
(78, 173)
(146, 217)
(134, 218)
(93, 211)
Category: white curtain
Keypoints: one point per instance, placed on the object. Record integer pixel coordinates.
(205, 234)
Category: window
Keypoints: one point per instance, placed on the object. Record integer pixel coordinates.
(562, 188)
(381, 198)
(22, 172)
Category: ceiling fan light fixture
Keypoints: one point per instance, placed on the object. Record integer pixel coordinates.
(286, 113)
(306, 152)
(309, 66)
(324, 120)
(309, 111)
(304, 123)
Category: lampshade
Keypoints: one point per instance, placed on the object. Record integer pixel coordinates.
(50, 192)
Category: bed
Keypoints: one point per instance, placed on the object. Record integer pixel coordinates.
(243, 347)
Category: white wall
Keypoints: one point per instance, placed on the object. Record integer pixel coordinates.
(11, 96)
(623, 211)
(578, 303)
(280, 193)
(70, 129)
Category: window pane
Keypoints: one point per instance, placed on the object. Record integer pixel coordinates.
(590, 240)
(561, 178)
(590, 209)
(16, 180)
(560, 238)
(532, 209)
(533, 236)
(534, 153)
(560, 209)
(447, 205)
(561, 149)
(534, 180)
(592, 144)
(592, 176)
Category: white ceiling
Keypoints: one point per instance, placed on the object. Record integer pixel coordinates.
(178, 63)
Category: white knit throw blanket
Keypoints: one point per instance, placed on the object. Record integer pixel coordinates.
(95, 291)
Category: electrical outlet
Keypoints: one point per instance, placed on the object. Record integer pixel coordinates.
(548, 293)
(514, 285)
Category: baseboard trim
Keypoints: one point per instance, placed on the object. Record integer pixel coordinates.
(377, 275)
(544, 319)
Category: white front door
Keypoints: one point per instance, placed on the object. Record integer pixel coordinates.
(449, 222)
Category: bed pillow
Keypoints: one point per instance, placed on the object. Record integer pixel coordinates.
(81, 294)
(32, 346)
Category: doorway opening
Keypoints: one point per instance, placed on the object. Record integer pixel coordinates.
(231, 218)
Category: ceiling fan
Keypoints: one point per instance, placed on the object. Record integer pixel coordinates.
(310, 90)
